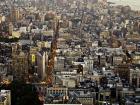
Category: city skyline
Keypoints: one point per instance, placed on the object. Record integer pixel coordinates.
(69, 52)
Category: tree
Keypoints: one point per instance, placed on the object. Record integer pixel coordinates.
(22, 93)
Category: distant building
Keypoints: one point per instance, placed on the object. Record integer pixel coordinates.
(5, 97)
(42, 60)
(104, 34)
(131, 47)
(136, 58)
(104, 95)
(135, 77)
(133, 37)
(19, 60)
(10, 28)
(123, 71)
(85, 100)
(57, 91)
(15, 14)
(59, 63)
(117, 60)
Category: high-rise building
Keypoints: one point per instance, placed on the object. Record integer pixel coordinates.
(10, 28)
(19, 61)
(135, 77)
(42, 60)
(15, 14)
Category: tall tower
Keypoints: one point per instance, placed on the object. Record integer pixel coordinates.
(10, 28)
(15, 14)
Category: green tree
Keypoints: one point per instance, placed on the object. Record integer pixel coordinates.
(22, 93)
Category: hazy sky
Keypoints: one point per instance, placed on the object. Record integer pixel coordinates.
(135, 4)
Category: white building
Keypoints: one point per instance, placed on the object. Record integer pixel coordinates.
(23, 29)
(59, 63)
(66, 78)
(42, 59)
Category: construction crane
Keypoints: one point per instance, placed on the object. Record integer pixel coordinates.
(50, 66)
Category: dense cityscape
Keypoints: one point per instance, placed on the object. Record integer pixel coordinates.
(79, 52)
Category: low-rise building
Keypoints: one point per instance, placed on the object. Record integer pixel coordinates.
(135, 77)
(5, 97)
